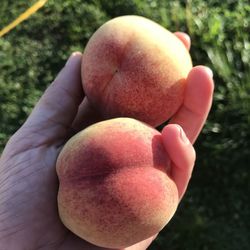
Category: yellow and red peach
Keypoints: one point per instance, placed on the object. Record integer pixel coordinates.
(134, 67)
(114, 185)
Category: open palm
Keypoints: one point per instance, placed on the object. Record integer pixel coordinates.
(28, 182)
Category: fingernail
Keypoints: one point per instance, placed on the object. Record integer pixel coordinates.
(183, 136)
(72, 57)
(187, 37)
(209, 71)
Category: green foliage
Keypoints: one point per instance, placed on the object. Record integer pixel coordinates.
(215, 212)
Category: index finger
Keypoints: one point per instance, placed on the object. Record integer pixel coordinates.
(197, 102)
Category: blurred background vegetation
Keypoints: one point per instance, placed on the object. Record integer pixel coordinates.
(215, 212)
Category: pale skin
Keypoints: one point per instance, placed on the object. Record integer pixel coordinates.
(28, 182)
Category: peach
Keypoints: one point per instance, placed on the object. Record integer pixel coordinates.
(133, 67)
(114, 185)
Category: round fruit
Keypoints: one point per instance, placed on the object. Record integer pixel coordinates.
(114, 185)
(133, 67)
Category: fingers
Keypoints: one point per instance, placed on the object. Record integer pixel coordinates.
(58, 106)
(197, 102)
(185, 39)
(181, 154)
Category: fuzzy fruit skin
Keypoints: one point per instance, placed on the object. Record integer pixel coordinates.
(133, 67)
(114, 187)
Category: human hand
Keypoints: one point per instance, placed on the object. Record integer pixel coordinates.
(28, 181)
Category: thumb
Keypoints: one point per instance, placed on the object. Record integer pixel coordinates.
(57, 108)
